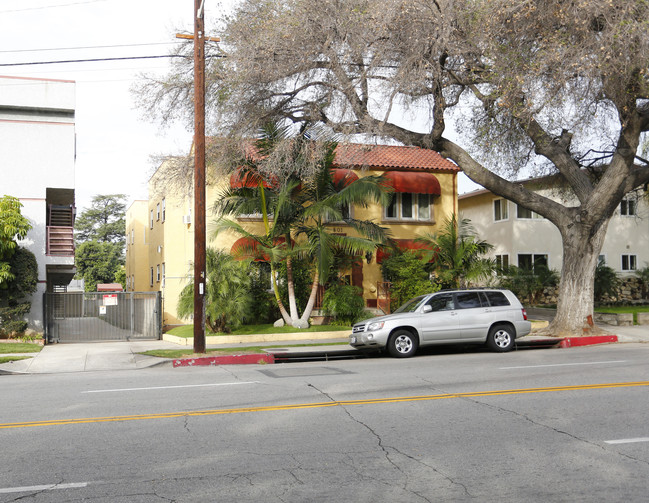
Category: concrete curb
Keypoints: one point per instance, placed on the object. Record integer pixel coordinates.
(245, 339)
(569, 342)
(255, 358)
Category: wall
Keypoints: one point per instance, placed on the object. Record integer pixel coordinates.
(37, 152)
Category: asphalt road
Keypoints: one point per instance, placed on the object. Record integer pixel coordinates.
(536, 425)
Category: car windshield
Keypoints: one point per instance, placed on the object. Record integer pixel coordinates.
(411, 305)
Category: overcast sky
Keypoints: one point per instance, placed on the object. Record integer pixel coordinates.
(114, 143)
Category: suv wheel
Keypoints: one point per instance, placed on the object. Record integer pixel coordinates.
(501, 338)
(402, 344)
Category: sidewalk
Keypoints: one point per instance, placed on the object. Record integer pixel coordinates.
(97, 356)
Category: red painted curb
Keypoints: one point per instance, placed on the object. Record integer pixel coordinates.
(225, 360)
(569, 342)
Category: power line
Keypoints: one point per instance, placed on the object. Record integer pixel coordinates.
(52, 6)
(89, 47)
(31, 63)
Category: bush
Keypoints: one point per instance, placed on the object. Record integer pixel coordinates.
(345, 302)
(527, 284)
(263, 307)
(408, 276)
(607, 282)
(302, 281)
(12, 319)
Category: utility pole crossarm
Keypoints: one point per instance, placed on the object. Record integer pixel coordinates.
(187, 36)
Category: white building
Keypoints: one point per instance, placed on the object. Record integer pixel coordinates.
(522, 238)
(37, 155)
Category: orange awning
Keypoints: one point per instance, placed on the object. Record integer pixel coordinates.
(403, 244)
(413, 182)
(246, 247)
(244, 178)
(343, 177)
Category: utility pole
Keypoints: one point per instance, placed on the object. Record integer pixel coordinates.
(199, 176)
(199, 171)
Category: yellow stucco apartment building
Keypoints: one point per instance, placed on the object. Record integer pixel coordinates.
(160, 234)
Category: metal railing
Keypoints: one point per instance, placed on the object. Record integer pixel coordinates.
(60, 241)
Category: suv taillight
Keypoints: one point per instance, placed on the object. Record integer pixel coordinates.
(524, 314)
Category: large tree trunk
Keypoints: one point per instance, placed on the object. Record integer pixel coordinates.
(581, 248)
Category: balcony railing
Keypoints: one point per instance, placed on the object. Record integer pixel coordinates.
(60, 241)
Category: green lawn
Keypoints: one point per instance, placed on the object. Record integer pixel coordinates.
(19, 347)
(187, 353)
(624, 309)
(7, 359)
(188, 330)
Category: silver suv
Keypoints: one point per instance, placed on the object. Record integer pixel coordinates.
(484, 315)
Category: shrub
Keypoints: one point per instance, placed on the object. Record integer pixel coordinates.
(528, 284)
(607, 282)
(12, 318)
(345, 302)
(408, 277)
(643, 275)
(263, 308)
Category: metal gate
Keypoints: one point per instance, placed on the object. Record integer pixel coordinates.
(92, 316)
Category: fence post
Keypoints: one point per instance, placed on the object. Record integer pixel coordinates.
(132, 314)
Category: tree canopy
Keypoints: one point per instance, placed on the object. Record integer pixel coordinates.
(100, 235)
(13, 226)
(495, 85)
(103, 221)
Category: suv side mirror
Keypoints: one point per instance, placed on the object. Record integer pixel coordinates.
(427, 308)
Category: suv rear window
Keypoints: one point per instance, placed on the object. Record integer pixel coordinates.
(497, 298)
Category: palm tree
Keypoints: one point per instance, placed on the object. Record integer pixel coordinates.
(322, 201)
(457, 253)
(226, 293)
(296, 210)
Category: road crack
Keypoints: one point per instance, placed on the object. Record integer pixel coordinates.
(387, 454)
(527, 418)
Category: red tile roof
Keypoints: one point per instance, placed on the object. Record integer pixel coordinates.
(391, 156)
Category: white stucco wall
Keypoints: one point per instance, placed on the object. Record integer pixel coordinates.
(37, 152)
(514, 236)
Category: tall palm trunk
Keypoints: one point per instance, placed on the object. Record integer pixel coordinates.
(290, 284)
(264, 212)
(309, 305)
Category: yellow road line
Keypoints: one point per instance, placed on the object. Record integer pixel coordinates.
(167, 415)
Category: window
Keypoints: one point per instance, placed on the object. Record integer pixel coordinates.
(164, 209)
(628, 207)
(601, 260)
(468, 300)
(524, 213)
(151, 218)
(157, 273)
(629, 262)
(157, 212)
(497, 298)
(152, 276)
(408, 206)
(163, 275)
(500, 210)
(531, 262)
(132, 236)
(502, 262)
(442, 302)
